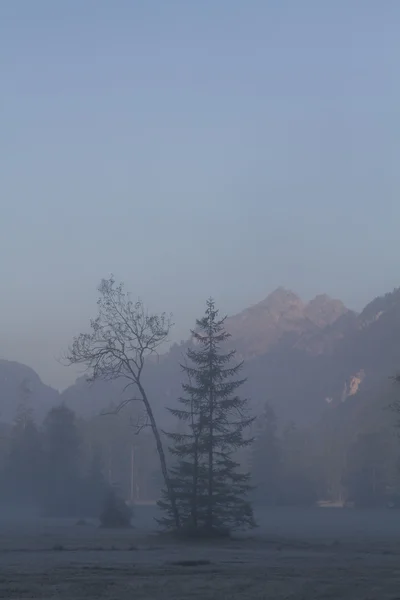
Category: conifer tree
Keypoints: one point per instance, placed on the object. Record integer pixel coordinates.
(23, 463)
(210, 491)
(188, 474)
(266, 459)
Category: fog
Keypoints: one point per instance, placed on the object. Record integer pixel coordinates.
(199, 311)
(125, 131)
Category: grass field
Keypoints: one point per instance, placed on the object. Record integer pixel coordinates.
(295, 554)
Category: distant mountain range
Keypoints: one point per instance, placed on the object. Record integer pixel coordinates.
(303, 358)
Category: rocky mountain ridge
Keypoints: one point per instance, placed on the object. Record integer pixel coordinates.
(281, 316)
(300, 357)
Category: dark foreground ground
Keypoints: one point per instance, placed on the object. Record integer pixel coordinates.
(295, 554)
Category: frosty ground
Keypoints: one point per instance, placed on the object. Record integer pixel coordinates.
(295, 554)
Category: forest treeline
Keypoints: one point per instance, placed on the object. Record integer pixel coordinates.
(65, 466)
(218, 461)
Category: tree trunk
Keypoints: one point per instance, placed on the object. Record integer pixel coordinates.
(132, 474)
(195, 484)
(210, 468)
(210, 441)
(161, 454)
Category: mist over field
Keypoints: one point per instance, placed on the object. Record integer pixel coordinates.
(200, 311)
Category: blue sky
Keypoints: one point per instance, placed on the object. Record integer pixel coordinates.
(192, 148)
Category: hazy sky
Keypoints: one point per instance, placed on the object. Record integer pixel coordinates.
(192, 148)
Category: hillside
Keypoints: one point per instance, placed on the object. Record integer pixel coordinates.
(20, 384)
(282, 318)
(303, 358)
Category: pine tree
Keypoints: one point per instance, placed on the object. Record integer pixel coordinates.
(266, 459)
(210, 491)
(188, 474)
(367, 476)
(23, 463)
(299, 482)
(63, 463)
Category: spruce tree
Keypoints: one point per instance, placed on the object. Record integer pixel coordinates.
(210, 491)
(188, 474)
(23, 463)
(266, 459)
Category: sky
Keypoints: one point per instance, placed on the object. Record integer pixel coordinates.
(218, 148)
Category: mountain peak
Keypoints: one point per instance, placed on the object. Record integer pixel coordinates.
(281, 300)
(324, 310)
(256, 329)
(19, 383)
(282, 293)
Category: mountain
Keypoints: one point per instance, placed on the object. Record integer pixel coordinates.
(303, 358)
(20, 384)
(281, 318)
(324, 311)
(283, 342)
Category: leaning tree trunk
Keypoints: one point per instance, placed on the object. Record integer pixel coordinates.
(161, 454)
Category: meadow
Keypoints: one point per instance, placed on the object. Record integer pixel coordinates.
(296, 554)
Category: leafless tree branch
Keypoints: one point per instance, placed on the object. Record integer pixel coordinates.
(121, 338)
(120, 406)
(140, 423)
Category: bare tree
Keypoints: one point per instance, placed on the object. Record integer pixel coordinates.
(121, 338)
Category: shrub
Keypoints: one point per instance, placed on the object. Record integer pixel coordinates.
(116, 513)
